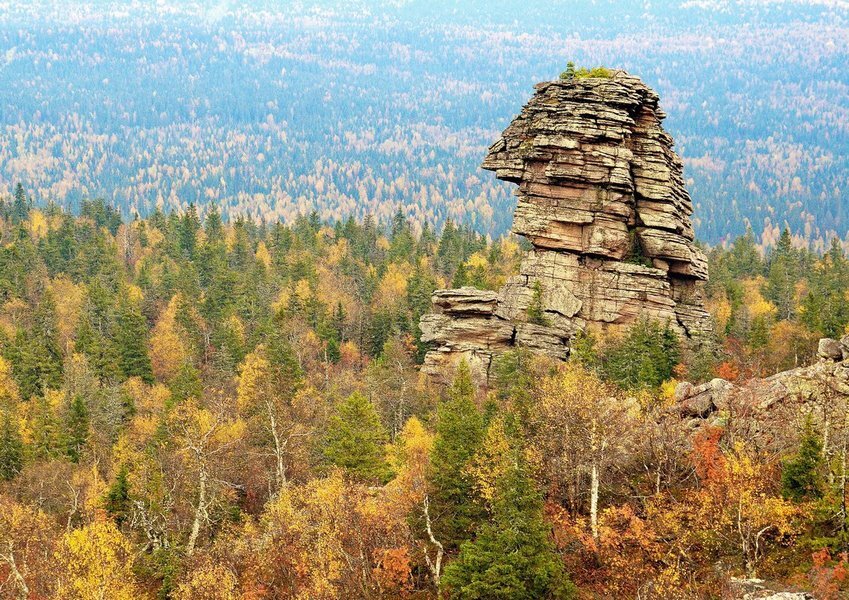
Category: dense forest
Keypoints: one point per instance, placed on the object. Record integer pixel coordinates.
(195, 409)
(354, 107)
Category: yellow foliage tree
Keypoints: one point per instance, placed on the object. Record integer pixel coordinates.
(26, 541)
(95, 563)
(209, 582)
(168, 352)
(582, 426)
(491, 462)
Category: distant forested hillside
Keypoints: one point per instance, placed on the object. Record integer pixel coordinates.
(356, 108)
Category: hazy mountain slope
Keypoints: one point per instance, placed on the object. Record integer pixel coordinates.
(355, 108)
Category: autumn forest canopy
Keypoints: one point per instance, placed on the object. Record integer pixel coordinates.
(198, 409)
(358, 299)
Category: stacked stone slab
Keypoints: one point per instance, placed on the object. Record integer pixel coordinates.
(601, 197)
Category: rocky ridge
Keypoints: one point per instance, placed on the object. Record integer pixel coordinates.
(771, 403)
(601, 198)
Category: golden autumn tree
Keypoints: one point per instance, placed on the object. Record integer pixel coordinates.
(95, 563)
(273, 410)
(582, 428)
(737, 510)
(208, 582)
(27, 538)
(168, 350)
(205, 439)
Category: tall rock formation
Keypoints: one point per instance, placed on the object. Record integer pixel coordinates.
(601, 197)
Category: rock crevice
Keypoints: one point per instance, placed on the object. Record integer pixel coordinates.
(601, 198)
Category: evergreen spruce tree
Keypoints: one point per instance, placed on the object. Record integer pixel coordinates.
(461, 276)
(20, 205)
(212, 225)
(117, 501)
(825, 309)
(11, 445)
(356, 440)
(512, 557)
(802, 474)
(76, 428)
(645, 357)
(745, 260)
(189, 227)
(95, 329)
(536, 311)
(783, 273)
(459, 432)
(45, 436)
(131, 341)
(37, 362)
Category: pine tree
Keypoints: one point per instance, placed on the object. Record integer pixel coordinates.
(131, 341)
(37, 354)
(802, 475)
(512, 557)
(212, 225)
(356, 439)
(11, 446)
(459, 432)
(461, 276)
(76, 428)
(645, 357)
(825, 309)
(95, 331)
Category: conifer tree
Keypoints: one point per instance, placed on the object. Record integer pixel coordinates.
(11, 445)
(459, 432)
(512, 556)
(461, 276)
(744, 259)
(131, 341)
(802, 474)
(94, 331)
(783, 273)
(189, 227)
(117, 501)
(76, 428)
(20, 205)
(37, 357)
(645, 357)
(356, 439)
(212, 225)
(45, 435)
(536, 310)
(825, 309)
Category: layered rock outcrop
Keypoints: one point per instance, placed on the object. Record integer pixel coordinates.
(768, 406)
(601, 198)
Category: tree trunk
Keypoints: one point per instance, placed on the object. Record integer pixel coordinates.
(278, 449)
(436, 565)
(594, 501)
(200, 512)
(9, 559)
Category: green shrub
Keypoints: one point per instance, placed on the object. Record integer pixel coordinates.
(584, 73)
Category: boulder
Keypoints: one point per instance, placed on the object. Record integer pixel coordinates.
(830, 349)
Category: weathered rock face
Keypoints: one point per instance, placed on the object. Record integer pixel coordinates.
(768, 406)
(602, 200)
